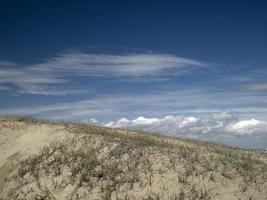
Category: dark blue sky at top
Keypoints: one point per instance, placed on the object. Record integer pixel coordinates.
(228, 32)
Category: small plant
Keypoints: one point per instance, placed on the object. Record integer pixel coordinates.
(116, 164)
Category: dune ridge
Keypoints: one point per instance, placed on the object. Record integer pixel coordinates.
(48, 160)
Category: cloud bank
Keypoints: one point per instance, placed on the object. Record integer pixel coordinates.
(224, 128)
(225, 123)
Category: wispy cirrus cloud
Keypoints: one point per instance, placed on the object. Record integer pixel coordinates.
(178, 102)
(37, 78)
(255, 87)
(49, 90)
(4, 88)
(20, 79)
(129, 65)
(7, 64)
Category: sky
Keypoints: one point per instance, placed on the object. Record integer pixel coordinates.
(193, 69)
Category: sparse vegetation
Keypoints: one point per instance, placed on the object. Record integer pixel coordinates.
(102, 163)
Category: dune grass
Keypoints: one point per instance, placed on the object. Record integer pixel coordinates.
(103, 163)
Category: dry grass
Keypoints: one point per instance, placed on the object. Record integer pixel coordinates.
(102, 163)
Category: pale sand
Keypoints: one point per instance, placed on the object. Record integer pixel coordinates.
(160, 173)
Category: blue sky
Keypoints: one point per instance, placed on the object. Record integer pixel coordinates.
(201, 64)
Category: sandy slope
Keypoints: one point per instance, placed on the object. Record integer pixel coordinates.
(20, 139)
(88, 162)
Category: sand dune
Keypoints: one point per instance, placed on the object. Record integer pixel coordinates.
(44, 160)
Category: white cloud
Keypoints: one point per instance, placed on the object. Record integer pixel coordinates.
(123, 122)
(91, 121)
(248, 127)
(48, 90)
(195, 114)
(256, 87)
(225, 116)
(110, 124)
(144, 121)
(178, 102)
(188, 122)
(129, 65)
(172, 125)
(7, 64)
(61, 69)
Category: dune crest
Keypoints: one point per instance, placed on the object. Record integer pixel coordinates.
(45, 160)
